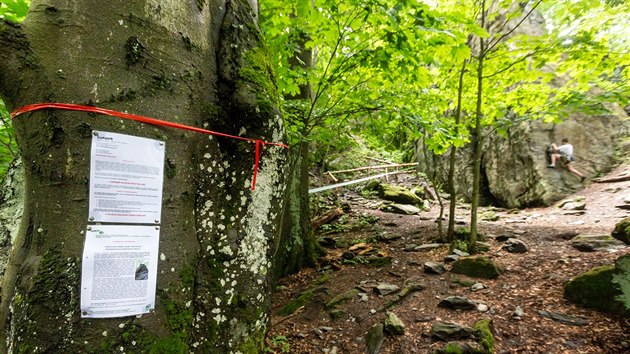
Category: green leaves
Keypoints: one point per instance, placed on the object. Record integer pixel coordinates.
(8, 147)
(388, 70)
(14, 10)
(460, 52)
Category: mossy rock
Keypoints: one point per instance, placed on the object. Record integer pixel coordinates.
(372, 185)
(483, 331)
(591, 243)
(621, 279)
(465, 282)
(296, 303)
(323, 279)
(374, 339)
(376, 261)
(595, 289)
(468, 347)
(393, 325)
(398, 194)
(622, 231)
(477, 267)
(342, 298)
(490, 216)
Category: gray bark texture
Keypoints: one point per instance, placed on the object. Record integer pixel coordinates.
(200, 63)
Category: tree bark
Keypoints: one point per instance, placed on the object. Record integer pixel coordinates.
(297, 247)
(450, 233)
(477, 137)
(197, 63)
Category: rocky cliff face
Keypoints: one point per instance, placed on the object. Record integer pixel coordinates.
(514, 169)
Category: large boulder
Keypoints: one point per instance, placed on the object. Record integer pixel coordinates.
(595, 289)
(514, 168)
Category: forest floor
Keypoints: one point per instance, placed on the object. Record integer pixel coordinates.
(532, 281)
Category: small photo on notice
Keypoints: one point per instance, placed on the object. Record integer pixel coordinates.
(142, 272)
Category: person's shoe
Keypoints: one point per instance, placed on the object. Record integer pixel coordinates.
(551, 166)
(582, 179)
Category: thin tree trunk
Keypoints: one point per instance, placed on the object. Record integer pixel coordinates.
(477, 138)
(199, 65)
(451, 167)
(297, 247)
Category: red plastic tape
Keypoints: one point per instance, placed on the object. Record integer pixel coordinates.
(108, 112)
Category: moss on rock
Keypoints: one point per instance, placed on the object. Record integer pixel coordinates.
(398, 194)
(595, 289)
(296, 303)
(468, 347)
(477, 267)
(483, 331)
(622, 279)
(622, 231)
(342, 298)
(393, 325)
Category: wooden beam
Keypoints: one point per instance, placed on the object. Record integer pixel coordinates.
(375, 167)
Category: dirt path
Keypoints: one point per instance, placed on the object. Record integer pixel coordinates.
(532, 281)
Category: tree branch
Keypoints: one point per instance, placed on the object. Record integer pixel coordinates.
(520, 60)
(492, 45)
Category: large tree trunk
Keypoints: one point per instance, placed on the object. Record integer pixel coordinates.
(194, 62)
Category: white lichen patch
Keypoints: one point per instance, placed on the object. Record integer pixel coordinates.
(227, 250)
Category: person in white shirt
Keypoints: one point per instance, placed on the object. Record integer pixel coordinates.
(564, 153)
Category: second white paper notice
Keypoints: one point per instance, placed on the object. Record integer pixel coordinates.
(119, 270)
(126, 177)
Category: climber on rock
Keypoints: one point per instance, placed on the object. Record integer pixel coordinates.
(564, 153)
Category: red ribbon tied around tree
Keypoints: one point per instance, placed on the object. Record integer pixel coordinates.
(109, 112)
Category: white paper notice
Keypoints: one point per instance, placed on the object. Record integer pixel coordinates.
(119, 270)
(126, 176)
